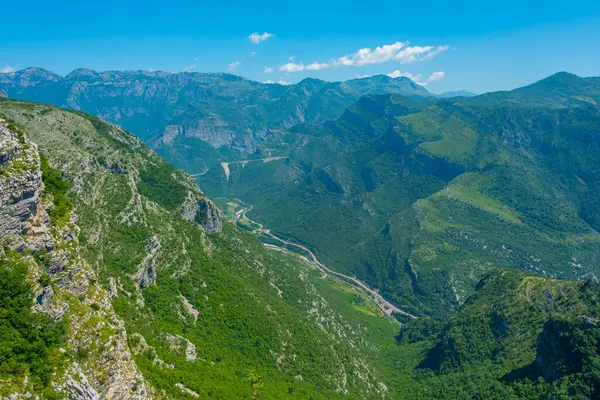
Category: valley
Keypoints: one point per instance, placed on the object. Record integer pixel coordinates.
(153, 261)
(396, 189)
(284, 247)
(237, 200)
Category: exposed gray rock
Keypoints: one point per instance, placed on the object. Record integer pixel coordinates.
(44, 298)
(112, 287)
(204, 212)
(146, 274)
(44, 303)
(209, 216)
(109, 372)
(3, 93)
(20, 183)
(190, 352)
(78, 387)
(189, 307)
(187, 390)
(59, 260)
(179, 343)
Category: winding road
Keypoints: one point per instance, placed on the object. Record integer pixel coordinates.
(383, 304)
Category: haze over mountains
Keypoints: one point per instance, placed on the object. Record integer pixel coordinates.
(477, 214)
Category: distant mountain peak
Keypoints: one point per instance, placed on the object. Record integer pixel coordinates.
(311, 80)
(38, 71)
(82, 72)
(563, 74)
(560, 90)
(456, 93)
(560, 77)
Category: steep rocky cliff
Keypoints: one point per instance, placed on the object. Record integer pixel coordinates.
(21, 182)
(202, 210)
(70, 294)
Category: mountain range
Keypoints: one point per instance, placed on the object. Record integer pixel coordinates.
(219, 113)
(476, 216)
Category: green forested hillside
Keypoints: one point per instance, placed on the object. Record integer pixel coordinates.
(561, 90)
(217, 313)
(517, 337)
(420, 198)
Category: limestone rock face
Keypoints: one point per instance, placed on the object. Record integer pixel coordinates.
(74, 295)
(209, 216)
(204, 211)
(20, 183)
(3, 93)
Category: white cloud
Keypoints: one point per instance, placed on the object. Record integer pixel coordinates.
(415, 78)
(7, 69)
(434, 53)
(269, 70)
(418, 53)
(292, 67)
(316, 66)
(436, 76)
(191, 67)
(233, 66)
(252, 54)
(256, 37)
(281, 82)
(367, 56)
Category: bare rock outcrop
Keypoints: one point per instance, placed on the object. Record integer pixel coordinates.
(73, 293)
(20, 183)
(202, 210)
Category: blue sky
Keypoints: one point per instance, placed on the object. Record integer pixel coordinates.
(447, 45)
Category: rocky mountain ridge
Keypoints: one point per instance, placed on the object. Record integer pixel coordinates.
(222, 110)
